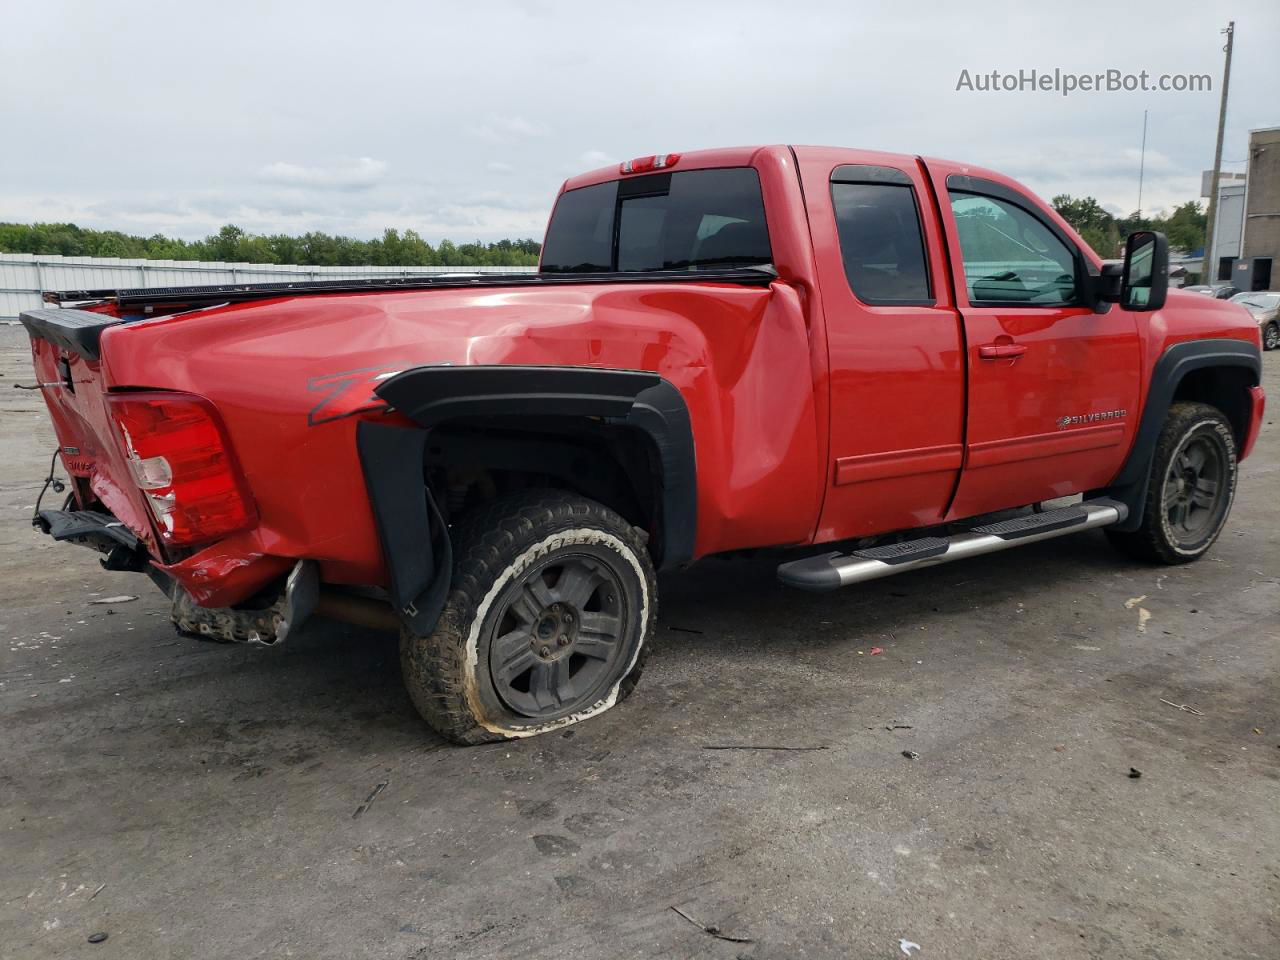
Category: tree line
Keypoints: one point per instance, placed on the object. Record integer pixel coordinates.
(1184, 226)
(232, 244)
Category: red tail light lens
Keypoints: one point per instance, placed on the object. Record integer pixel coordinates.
(178, 452)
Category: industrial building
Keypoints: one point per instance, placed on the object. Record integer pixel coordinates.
(1246, 237)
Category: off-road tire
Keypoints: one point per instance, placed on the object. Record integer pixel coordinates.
(1158, 539)
(448, 675)
(1271, 336)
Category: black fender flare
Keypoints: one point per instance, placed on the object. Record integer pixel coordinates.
(415, 544)
(1130, 484)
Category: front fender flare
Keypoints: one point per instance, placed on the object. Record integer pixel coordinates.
(1130, 484)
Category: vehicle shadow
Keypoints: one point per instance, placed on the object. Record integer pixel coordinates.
(333, 679)
(744, 598)
(339, 687)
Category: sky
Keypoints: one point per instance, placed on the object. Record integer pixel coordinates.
(462, 120)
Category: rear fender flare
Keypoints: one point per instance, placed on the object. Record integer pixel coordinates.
(392, 457)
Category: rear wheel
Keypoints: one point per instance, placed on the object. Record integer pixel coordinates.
(553, 602)
(1193, 483)
(1271, 336)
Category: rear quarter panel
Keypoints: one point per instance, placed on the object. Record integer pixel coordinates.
(291, 377)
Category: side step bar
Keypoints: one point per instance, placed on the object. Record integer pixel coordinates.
(833, 570)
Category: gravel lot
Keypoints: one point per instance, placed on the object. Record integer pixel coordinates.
(196, 800)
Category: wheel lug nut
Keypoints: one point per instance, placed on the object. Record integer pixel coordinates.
(563, 641)
(545, 651)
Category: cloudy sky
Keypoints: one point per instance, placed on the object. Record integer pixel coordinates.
(463, 120)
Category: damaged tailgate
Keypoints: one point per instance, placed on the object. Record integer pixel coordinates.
(66, 353)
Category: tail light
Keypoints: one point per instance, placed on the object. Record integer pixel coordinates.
(178, 451)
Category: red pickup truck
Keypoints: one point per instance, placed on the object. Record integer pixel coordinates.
(897, 357)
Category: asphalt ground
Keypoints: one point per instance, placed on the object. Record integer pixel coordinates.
(197, 800)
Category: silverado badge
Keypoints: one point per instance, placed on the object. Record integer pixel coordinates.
(1088, 418)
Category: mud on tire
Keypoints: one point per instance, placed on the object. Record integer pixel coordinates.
(552, 606)
(1193, 483)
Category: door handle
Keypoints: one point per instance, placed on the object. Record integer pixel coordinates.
(1001, 351)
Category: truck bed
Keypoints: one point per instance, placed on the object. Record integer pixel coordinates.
(79, 330)
(244, 292)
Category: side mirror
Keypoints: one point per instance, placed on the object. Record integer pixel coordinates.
(1106, 286)
(1144, 283)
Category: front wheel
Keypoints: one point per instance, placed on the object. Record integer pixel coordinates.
(1193, 483)
(1271, 336)
(547, 623)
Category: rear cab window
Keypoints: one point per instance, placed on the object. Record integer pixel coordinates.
(881, 243)
(691, 220)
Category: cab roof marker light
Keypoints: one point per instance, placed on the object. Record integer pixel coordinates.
(658, 161)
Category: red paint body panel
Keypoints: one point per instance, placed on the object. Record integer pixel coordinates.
(740, 356)
(896, 373)
(1073, 363)
(815, 416)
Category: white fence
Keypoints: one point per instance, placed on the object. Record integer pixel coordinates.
(24, 277)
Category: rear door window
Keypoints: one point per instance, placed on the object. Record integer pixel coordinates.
(880, 239)
(695, 220)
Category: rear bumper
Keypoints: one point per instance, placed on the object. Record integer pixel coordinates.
(90, 528)
(203, 580)
(223, 575)
(266, 625)
(228, 572)
(102, 532)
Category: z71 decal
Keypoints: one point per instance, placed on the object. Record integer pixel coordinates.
(345, 394)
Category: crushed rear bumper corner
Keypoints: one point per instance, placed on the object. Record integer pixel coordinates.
(266, 626)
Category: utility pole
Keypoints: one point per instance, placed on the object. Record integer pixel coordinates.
(1209, 270)
(1142, 162)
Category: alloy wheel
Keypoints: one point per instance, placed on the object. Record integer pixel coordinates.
(1194, 489)
(558, 636)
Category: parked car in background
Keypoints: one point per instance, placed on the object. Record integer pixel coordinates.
(1265, 307)
(1219, 291)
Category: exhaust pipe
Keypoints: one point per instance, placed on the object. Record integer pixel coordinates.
(357, 610)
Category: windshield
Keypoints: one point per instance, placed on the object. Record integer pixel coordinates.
(695, 220)
(1264, 301)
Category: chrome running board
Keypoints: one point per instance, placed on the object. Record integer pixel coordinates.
(834, 570)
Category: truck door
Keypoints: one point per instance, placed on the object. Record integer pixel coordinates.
(1053, 386)
(893, 337)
